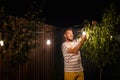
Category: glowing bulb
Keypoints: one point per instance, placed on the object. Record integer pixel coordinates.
(1, 43)
(111, 37)
(48, 42)
(84, 33)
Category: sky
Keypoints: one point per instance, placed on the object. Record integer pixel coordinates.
(62, 13)
(74, 12)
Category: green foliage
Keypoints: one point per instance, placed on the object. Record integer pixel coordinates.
(19, 37)
(102, 45)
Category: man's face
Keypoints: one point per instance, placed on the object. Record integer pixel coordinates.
(69, 35)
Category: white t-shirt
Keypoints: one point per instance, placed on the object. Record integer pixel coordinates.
(72, 62)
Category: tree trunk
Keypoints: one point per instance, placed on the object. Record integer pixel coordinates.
(100, 73)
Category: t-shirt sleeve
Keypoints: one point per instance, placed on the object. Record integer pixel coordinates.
(65, 47)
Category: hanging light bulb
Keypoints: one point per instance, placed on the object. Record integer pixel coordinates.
(48, 42)
(83, 33)
(1, 43)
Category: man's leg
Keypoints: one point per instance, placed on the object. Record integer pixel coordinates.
(80, 76)
(69, 76)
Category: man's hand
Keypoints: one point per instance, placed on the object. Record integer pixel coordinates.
(83, 37)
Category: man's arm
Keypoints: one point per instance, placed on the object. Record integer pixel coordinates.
(76, 49)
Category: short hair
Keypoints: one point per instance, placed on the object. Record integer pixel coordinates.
(69, 28)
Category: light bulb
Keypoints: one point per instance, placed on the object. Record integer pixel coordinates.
(83, 33)
(1, 43)
(48, 42)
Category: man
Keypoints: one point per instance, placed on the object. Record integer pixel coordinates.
(73, 69)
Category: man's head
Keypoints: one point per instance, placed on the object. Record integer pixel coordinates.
(68, 35)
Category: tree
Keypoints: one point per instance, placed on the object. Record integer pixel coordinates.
(102, 44)
(17, 38)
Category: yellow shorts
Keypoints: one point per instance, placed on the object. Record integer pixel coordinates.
(73, 75)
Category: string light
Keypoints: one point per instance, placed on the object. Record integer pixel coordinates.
(1, 43)
(48, 42)
(83, 33)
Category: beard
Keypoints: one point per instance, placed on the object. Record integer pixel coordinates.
(70, 39)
